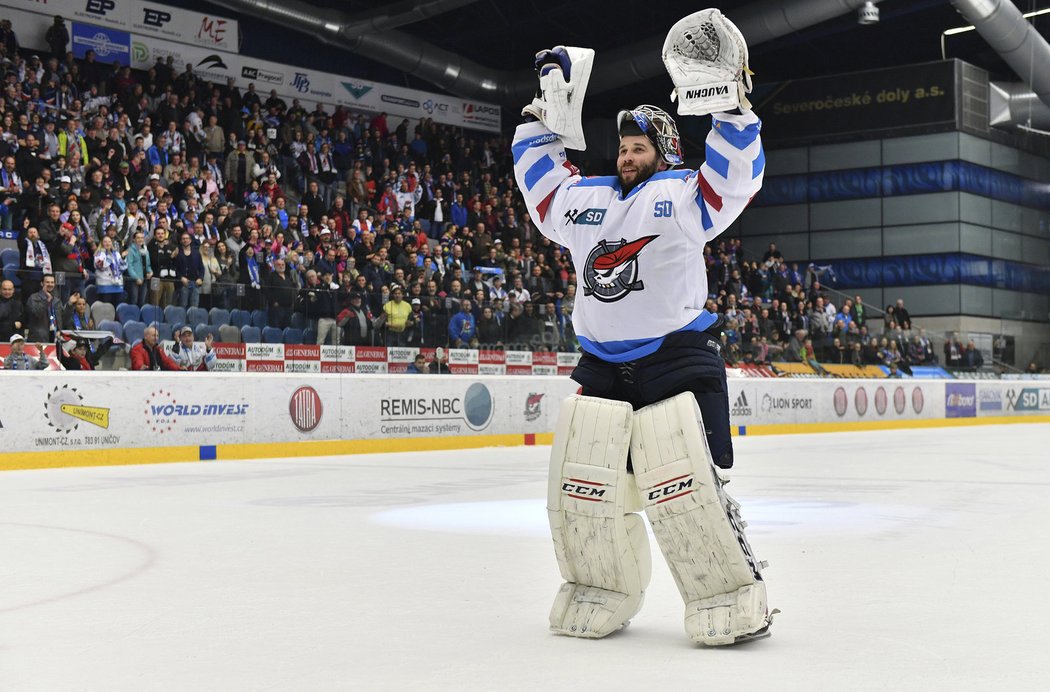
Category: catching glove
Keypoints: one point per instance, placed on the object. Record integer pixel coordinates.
(706, 56)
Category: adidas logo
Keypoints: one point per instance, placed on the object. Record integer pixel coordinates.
(741, 407)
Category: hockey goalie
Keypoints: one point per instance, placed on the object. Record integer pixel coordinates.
(650, 431)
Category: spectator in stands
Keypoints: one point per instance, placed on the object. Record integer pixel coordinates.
(78, 316)
(462, 328)
(838, 353)
(871, 352)
(19, 360)
(280, 291)
(317, 303)
(11, 311)
(189, 272)
(439, 366)
(953, 351)
(44, 311)
(139, 270)
(902, 316)
(916, 353)
(148, 354)
(490, 330)
(190, 356)
(110, 265)
(396, 316)
(34, 260)
(417, 322)
(356, 322)
(81, 356)
(928, 356)
(162, 258)
(550, 326)
(858, 311)
(57, 37)
(972, 358)
(418, 366)
(211, 276)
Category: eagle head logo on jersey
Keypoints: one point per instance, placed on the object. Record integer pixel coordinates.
(611, 270)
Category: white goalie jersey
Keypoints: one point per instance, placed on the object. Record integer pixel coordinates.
(639, 258)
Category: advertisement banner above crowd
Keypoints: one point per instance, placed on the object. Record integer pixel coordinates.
(110, 45)
(151, 20)
(312, 87)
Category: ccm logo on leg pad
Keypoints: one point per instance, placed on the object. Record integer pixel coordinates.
(583, 490)
(671, 489)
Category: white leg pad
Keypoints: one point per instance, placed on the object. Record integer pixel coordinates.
(602, 551)
(697, 524)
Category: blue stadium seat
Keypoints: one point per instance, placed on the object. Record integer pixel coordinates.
(113, 327)
(173, 313)
(218, 317)
(126, 312)
(251, 335)
(133, 331)
(90, 293)
(228, 334)
(240, 318)
(309, 335)
(163, 330)
(11, 274)
(9, 256)
(196, 316)
(203, 330)
(293, 335)
(272, 335)
(298, 321)
(151, 314)
(259, 319)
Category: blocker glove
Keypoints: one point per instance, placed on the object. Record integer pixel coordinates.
(563, 72)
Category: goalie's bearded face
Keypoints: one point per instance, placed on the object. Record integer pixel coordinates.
(636, 162)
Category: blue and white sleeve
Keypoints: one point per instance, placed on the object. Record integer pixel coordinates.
(541, 169)
(732, 172)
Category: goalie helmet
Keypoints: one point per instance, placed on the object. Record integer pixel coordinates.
(655, 124)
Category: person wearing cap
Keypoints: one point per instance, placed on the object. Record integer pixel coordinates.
(356, 321)
(81, 357)
(416, 322)
(18, 360)
(190, 356)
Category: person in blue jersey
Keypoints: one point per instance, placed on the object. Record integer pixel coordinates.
(637, 240)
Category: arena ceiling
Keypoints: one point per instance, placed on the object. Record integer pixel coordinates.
(505, 35)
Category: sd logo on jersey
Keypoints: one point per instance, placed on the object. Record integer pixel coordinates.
(611, 269)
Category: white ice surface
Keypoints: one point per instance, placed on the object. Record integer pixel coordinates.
(905, 560)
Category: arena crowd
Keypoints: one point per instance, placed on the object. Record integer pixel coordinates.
(234, 208)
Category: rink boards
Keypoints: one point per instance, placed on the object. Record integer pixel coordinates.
(70, 419)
